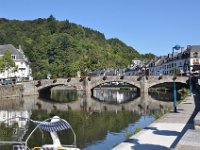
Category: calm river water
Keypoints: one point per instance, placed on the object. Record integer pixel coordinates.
(100, 122)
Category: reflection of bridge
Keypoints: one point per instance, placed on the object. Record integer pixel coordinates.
(89, 83)
(142, 105)
(141, 83)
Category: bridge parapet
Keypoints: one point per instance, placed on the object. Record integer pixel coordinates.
(95, 81)
(75, 82)
(154, 80)
(90, 83)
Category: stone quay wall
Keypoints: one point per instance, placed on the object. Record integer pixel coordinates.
(29, 88)
(10, 91)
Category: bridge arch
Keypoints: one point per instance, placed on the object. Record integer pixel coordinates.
(73, 82)
(132, 80)
(152, 81)
(44, 87)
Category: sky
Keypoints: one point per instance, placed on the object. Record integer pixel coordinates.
(149, 26)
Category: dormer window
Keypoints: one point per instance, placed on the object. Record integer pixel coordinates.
(13, 57)
(195, 54)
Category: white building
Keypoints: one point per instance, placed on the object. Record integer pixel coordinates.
(21, 61)
(5, 116)
(182, 63)
(136, 62)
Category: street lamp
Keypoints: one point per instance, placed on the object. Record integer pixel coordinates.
(190, 78)
(176, 47)
(186, 68)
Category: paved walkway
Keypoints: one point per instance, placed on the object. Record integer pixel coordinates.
(165, 133)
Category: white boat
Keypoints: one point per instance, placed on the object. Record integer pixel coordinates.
(51, 125)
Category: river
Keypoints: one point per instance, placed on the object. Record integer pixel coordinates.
(101, 122)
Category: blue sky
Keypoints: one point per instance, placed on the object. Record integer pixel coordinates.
(147, 25)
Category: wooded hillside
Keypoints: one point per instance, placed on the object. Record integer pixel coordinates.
(62, 48)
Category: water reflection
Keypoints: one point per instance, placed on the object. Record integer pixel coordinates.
(115, 95)
(13, 127)
(101, 127)
(94, 127)
(164, 91)
(16, 114)
(115, 92)
(89, 126)
(11, 103)
(163, 95)
(64, 95)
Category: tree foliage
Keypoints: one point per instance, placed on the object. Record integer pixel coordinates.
(148, 56)
(6, 61)
(61, 48)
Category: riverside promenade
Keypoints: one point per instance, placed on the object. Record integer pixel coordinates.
(166, 132)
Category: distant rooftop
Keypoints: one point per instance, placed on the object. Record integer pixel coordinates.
(14, 51)
(193, 48)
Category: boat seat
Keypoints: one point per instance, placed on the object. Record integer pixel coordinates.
(36, 148)
(62, 148)
(19, 147)
(47, 148)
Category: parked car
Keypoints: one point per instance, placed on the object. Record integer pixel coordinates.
(6, 81)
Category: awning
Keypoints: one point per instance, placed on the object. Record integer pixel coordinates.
(52, 126)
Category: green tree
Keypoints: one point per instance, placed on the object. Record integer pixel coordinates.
(2, 37)
(1, 64)
(61, 47)
(52, 24)
(8, 62)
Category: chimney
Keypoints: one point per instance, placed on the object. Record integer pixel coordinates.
(20, 47)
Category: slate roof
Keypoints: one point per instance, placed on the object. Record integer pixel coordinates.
(160, 61)
(14, 51)
(194, 48)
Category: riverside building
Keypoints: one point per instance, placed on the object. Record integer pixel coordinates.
(183, 62)
(23, 70)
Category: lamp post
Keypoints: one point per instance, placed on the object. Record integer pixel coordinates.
(176, 47)
(190, 80)
(188, 68)
(190, 77)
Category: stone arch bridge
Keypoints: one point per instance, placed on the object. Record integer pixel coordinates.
(90, 82)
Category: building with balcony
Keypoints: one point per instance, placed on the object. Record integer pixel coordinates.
(182, 63)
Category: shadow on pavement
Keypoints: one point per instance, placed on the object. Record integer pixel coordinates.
(139, 146)
(190, 123)
(163, 132)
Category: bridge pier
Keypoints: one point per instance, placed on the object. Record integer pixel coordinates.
(144, 96)
(87, 85)
(143, 85)
(88, 93)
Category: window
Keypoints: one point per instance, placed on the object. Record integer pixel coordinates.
(195, 54)
(4, 116)
(13, 57)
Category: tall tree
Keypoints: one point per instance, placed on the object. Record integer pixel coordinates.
(1, 64)
(61, 47)
(52, 24)
(8, 62)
